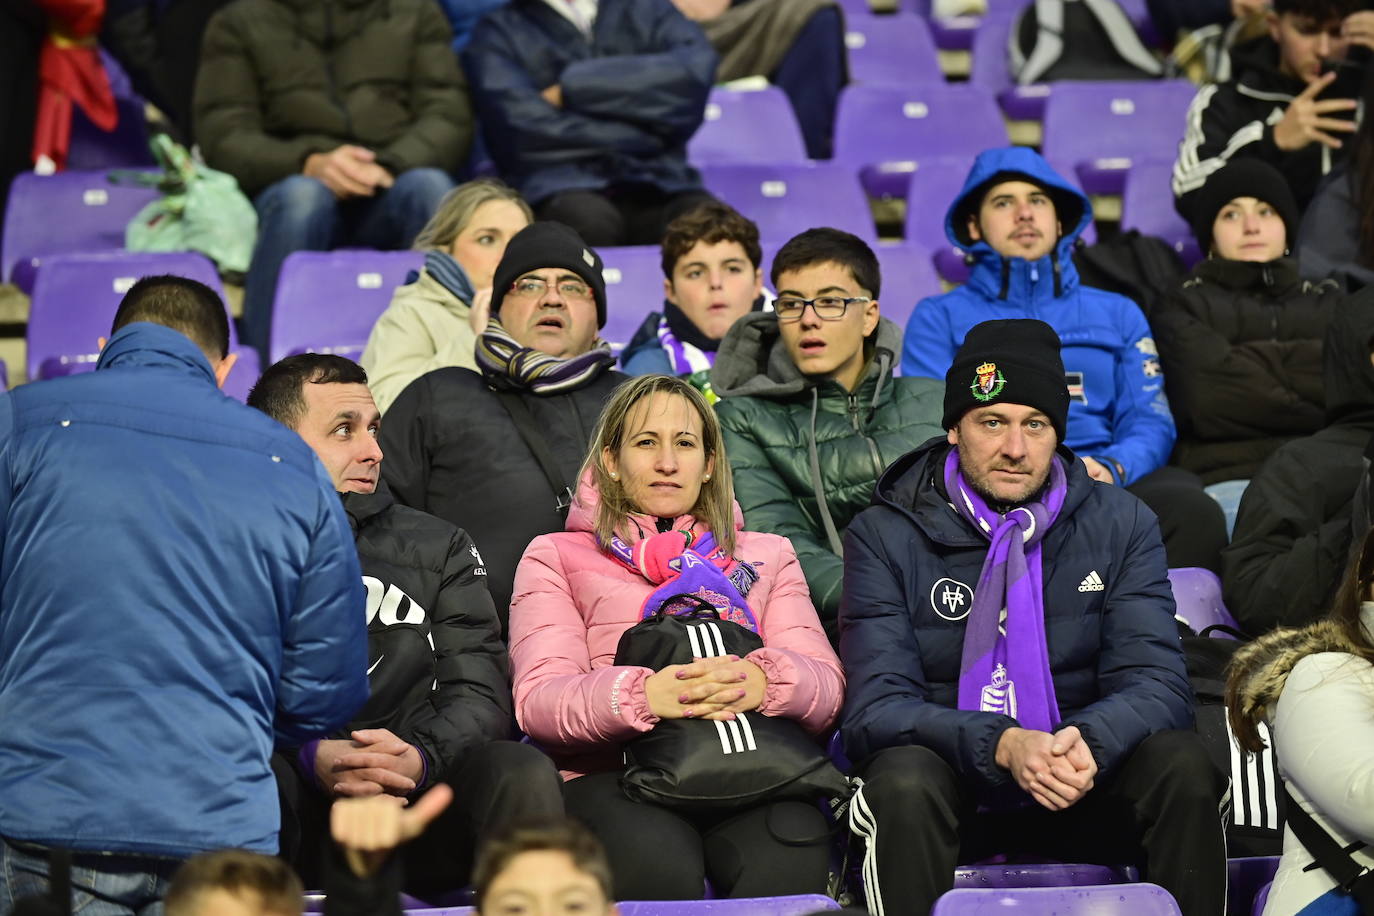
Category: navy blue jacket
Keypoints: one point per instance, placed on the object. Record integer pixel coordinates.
(178, 588)
(632, 95)
(1115, 654)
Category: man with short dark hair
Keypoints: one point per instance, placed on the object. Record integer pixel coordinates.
(1279, 108)
(810, 409)
(180, 594)
(497, 453)
(1015, 677)
(441, 704)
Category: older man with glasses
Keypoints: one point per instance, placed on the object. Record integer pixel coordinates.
(809, 406)
(496, 452)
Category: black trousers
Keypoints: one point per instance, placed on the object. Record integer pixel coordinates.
(496, 784)
(619, 216)
(1191, 523)
(656, 854)
(1160, 810)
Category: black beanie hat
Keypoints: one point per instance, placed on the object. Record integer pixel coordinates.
(1008, 361)
(549, 244)
(1242, 178)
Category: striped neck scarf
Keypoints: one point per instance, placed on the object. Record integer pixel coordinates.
(449, 274)
(684, 357)
(500, 356)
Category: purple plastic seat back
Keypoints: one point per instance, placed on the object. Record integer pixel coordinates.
(1134, 119)
(888, 131)
(798, 905)
(894, 50)
(75, 298)
(1257, 908)
(1148, 205)
(634, 288)
(908, 277)
(855, 8)
(328, 301)
(1197, 594)
(1042, 874)
(1245, 877)
(63, 213)
(784, 199)
(1107, 900)
(934, 185)
(756, 126)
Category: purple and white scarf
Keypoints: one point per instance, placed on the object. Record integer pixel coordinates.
(1006, 667)
(501, 355)
(680, 566)
(685, 358)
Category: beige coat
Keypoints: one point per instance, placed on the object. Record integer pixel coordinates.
(424, 328)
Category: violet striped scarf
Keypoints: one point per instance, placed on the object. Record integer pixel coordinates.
(501, 355)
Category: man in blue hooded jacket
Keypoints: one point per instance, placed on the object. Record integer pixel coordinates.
(179, 592)
(1015, 680)
(1019, 220)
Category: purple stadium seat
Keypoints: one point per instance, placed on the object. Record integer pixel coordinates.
(634, 288)
(908, 277)
(328, 301)
(1197, 595)
(798, 905)
(1257, 908)
(855, 8)
(1041, 874)
(63, 213)
(75, 297)
(1131, 120)
(894, 50)
(888, 131)
(1245, 878)
(991, 70)
(754, 126)
(1108, 900)
(1147, 204)
(785, 199)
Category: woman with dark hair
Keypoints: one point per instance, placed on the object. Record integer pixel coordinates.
(654, 523)
(1311, 691)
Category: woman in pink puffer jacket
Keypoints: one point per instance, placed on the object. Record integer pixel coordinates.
(655, 481)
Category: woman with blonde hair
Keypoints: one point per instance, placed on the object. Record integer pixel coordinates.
(655, 520)
(1312, 690)
(433, 322)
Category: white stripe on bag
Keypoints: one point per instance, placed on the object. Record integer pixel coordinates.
(714, 630)
(724, 737)
(743, 721)
(861, 822)
(696, 643)
(735, 734)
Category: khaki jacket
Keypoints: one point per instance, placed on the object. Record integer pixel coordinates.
(424, 328)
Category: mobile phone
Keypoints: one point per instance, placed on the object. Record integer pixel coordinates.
(1349, 81)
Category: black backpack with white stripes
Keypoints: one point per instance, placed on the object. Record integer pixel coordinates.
(1254, 822)
(1078, 40)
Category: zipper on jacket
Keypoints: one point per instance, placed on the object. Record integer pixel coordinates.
(853, 402)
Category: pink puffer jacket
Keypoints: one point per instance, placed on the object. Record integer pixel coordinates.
(573, 601)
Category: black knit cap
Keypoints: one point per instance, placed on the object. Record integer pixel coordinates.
(1008, 361)
(1243, 178)
(549, 244)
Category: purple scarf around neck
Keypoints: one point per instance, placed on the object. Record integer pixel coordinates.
(680, 566)
(1005, 667)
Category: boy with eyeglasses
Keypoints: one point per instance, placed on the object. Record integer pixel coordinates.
(811, 411)
(495, 452)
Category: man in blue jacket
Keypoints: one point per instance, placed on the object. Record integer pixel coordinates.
(178, 592)
(586, 107)
(1015, 677)
(1018, 220)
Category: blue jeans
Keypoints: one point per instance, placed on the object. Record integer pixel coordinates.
(1227, 493)
(102, 885)
(301, 214)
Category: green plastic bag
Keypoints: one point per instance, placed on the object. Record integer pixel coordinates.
(200, 210)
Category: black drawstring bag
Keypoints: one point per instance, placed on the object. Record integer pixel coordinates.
(697, 763)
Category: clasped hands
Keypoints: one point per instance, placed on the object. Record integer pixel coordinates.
(1054, 769)
(374, 762)
(708, 688)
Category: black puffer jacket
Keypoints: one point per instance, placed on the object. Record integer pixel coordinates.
(436, 663)
(1241, 345)
(1292, 535)
(452, 450)
(281, 79)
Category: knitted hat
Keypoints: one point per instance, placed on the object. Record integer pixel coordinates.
(549, 244)
(1243, 178)
(1008, 361)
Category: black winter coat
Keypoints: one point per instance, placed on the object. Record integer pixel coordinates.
(1241, 345)
(1114, 654)
(1293, 534)
(436, 664)
(452, 450)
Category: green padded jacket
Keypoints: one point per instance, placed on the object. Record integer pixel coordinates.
(805, 456)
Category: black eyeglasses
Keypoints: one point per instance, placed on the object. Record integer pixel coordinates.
(827, 308)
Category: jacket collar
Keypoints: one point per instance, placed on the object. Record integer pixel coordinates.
(1269, 278)
(362, 508)
(144, 343)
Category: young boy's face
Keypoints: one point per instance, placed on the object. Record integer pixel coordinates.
(715, 284)
(1304, 42)
(831, 348)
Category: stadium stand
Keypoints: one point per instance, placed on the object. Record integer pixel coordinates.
(747, 126)
(891, 50)
(785, 198)
(1146, 208)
